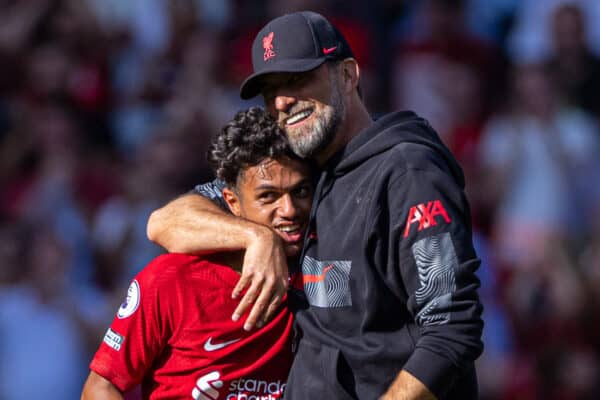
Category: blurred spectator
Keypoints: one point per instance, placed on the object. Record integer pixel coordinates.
(440, 62)
(165, 166)
(530, 40)
(56, 188)
(491, 19)
(200, 97)
(551, 298)
(44, 322)
(119, 237)
(538, 157)
(18, 23)
(574, 68)
(495, 366)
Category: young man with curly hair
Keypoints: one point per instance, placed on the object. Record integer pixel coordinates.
(173, 334)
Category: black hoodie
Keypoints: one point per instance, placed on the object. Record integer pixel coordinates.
(389, 270)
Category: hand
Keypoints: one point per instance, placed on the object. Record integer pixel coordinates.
(265, 272)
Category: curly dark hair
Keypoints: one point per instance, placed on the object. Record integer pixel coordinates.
(250, 137)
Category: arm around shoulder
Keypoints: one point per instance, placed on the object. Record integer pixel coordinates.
(99, 388)
(194, 224)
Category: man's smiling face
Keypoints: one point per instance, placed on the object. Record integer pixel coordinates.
(278, 194)
(309, 106)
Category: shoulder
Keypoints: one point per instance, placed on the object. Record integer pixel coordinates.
(176, 270)
(166, 269)
(414, 145)
(212, 190)
(169, 278)
(408, 159)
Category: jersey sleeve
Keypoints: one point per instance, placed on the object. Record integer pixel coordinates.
(434, 269)
(214, 191)
(137, 334)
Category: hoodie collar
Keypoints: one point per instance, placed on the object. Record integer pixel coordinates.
(366, 135)
(386, 132)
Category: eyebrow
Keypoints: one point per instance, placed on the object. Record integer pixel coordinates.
(266, 186)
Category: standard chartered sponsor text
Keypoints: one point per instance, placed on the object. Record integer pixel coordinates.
(255, 389)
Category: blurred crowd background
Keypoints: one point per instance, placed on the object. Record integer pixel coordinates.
(107, 106)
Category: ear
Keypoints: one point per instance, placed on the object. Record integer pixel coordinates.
(351, 73)
(232, 200)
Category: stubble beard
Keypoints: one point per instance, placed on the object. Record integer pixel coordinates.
(309, 140)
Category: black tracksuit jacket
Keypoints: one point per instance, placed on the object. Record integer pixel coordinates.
(389, 270)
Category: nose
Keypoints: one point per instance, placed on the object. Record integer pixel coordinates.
(287, 208)
(284, 102)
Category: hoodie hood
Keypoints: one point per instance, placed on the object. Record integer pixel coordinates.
(389, 131)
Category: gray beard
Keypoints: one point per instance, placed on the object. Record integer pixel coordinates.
(324, 129)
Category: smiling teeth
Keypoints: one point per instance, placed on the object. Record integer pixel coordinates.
(290, 228)
(298, 117)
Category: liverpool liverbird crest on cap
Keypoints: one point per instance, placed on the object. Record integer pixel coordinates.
(296, 42)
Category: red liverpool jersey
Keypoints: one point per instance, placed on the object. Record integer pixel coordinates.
(174, 335)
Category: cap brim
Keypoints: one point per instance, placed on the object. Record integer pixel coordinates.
(252, 86)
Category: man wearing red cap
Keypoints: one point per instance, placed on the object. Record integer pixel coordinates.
(387, 301)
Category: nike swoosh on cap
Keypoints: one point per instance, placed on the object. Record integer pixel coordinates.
(209, 346)
(329, 50)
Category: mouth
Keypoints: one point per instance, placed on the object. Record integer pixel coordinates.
(291, 233)
(298, 117)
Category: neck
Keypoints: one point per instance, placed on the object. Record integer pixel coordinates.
(357, 119)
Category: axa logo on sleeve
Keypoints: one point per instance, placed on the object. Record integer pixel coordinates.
(132, 301)
(207, 388)
(426, 215)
